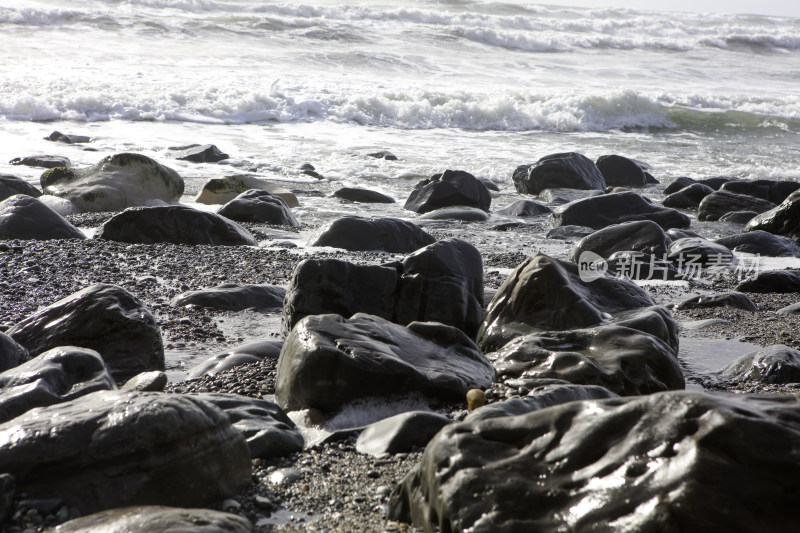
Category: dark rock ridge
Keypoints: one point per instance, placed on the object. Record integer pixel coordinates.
(44, 161)
(760, 242)
(601, 211)
(770, 190)
(773, 364)
(639, 236)
(450, 188)
(688, 197)
(11, 353)
(259, 206)
(116, 182)
(233, 297)
(569, 170)
(57, 136)
(57, 375)
(354, 194)
(719, 203)
(738, 217)
(176, 224)
(378, 234)
(11, 185)
(621, 171)
(524, 208)
(157, 519)
(105, 318)
(671, 461)
(781, 220)
(328, 361)
(781, 281)
(114, 449)
(733, 299)
(25, 217)
(200, 153)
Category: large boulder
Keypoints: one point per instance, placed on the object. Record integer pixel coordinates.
(328, 361)
(688, 197)
(639, 236)
(114, 449)
(720, 203)
(524, 208)
(176, 224)
(157, 519)
(57, 375)
(544, 294)
(115, 183)
(448, 189)
(233, 297)
(223, 190)
(619, 171)
(105, 318)
(11, 353)
(259, 206)
(601, 211)
(569, 170)
(780, 281)
(774, 191)
(25, 217)
(760, 242)
(666, 462)
(781, 220)
(11, 185)
(773, 364)
(378, 234)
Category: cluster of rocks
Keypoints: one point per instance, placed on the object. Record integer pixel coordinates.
(599, 435)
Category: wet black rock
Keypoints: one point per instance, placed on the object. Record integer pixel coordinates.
(105, 318)
(176, 224)
(719, 203)
(601, 211)
(621, 171)
(400, 433)
(260, 206)
(781, 220)
(200, 153)
(25, 217)
(738, 217)
(114, 449)
(328, 361)
(55, 376)
(780, 281)
(564, 196)
(57, 136)
(367, 196)
(383, 154)
(11, 353)
(158, 519)
(774, 191)
(233, 297)
(11, 185)
(44, 161)
(665, 462)
(760, 242)
(569, 170)
(451, 188)
(251, 352)
(377, 234)
(688, 197)
(678, 184)
(732, 299)
(153, 381)
(524, 208)
(639, 236)
(773, 364)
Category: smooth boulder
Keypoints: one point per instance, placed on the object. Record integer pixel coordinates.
(773, 364)
(461, 214)
(619, 171)
(102, 317)
(781, 220)
(639, 236)
(524, 208)
(378, 234)
(117, 182)
(780, 281)
(774, 191)
(720, 203)
(25, 217)
(759, 242)
(233, 297)
(157, 519)
(176, 224)
(223, 190)
(11, 185)
(601, 211)
(448, 189)
(688, 197)
(328, 361)
(260, 206)
(400, 433)
(364, 196)
(569, 170)
(44, 161)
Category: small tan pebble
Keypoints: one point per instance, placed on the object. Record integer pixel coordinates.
(475, 398)
(257, 462)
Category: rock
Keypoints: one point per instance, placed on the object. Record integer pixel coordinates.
(569, 170)
(688, 197)
(608, 209)
(115, 183)
(461, 214)
(780, 281)
(383, 154)
(524, 208)
(223, 190)
(11, 353)
(760, 242)
(721, 202)
(240, 355)
(690, 254)
(44, 161)
(114, 449)
(541, 397)
(738, 217)
(102, 317)
(544, 294)
(732, 299)
(57, 136)
(377, 234)
(563, 196)
(55, 376)
(770, 190)
(793, 309)
(716, 182)
(621, 359)
(176, 224)
(451, 188)
(233, 297)
(665, 462)
(642, 266)
(157, 519)
(492, 186)
(621, 171)
(773, 364)
(675, 234)
(7, 490)
(781, 220)
(11, 185)
(354, 194)
(197, 153)
(328, 361)
(265, 426)
(678, 184)
(154, 381)
(651, 180)
(639, 236)
(400, 433)
(475, 398)
(568, 233)
(25, 217)
(259, 206)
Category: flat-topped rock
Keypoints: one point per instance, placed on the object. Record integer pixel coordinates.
(601, 211)
(569, 170)
(25, 217)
